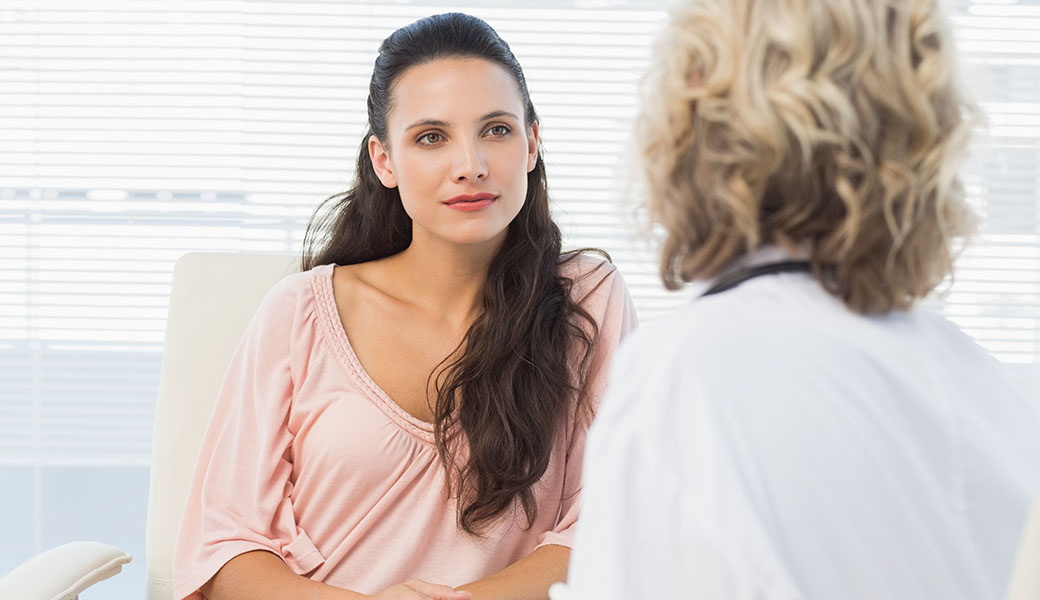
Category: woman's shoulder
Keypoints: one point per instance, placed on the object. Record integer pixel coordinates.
(297, 289)
(597, 286)
(584, 261)
(588, 271)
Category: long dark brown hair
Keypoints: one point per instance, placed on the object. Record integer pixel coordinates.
(515, 381)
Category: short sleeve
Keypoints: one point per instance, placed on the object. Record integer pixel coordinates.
(239, 498)
(601, 291)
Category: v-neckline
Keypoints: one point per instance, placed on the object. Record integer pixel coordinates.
(336, 335)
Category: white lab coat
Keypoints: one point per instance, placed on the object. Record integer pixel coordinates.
(768, 443)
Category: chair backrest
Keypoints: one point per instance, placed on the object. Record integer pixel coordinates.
(212, 298)
(1025, 578)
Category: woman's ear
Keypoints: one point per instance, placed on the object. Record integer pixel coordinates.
(381, 162)
(532, 146)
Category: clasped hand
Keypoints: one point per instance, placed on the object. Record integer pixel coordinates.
(420, 590)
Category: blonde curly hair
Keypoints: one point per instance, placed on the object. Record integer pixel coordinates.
(836, 124)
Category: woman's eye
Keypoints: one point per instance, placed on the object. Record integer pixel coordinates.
(430, 138)
(498, 130)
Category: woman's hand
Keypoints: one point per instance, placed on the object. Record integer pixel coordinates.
(420, 590)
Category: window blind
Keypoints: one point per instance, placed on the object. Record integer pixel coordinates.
(995, 295)
(135, 131)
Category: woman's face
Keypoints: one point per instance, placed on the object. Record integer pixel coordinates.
(459, 151)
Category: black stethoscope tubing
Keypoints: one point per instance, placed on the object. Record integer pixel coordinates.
(732, 280)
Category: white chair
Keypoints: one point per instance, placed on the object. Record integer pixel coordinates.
(212, 298)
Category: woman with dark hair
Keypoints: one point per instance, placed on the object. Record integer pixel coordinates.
(405, 419)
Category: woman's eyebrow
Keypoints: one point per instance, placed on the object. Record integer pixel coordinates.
(427, 123)
(438, 123)
(498, 113)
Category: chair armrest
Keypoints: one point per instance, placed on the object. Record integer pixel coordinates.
(62, 573)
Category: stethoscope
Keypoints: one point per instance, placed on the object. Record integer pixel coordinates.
(732, 280)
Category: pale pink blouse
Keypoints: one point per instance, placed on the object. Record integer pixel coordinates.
(306, 457)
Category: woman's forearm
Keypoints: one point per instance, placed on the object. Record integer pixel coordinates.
(260, 574)
(527, 579)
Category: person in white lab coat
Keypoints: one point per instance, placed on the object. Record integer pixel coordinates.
(804, 428)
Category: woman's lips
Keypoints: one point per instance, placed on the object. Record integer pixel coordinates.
(471, 202)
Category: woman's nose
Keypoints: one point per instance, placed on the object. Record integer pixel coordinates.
(470, 164)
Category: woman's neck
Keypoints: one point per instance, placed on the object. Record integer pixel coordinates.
(444, 280)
